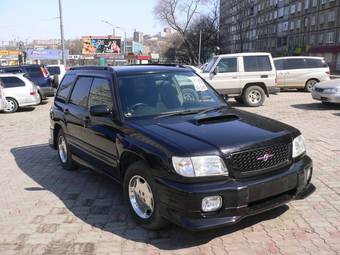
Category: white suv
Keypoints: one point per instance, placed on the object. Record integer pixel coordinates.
(18, 92)
(249, 77)
(301, 72)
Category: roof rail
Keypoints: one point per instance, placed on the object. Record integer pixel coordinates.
(96, 68)
(170, 64)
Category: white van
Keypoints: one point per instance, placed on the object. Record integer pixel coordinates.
(301, 72)
(18, 92)
(249, 77)
(2, 98)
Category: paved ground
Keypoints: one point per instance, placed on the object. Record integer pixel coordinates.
(46, 210)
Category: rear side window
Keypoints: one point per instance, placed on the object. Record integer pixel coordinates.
(12, 82)
(100, 93)
(279, 64)
(81, 91)
(65, 86)
(295, 63)
(227, 65)
(257, 63)
(53, 70)
(315, 63)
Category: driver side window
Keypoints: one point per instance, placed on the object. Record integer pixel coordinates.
(227, 65)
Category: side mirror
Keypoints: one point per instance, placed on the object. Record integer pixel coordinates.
(216, 70)
(55, 81)
(100, 110)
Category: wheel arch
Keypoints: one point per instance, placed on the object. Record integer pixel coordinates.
(259, 84)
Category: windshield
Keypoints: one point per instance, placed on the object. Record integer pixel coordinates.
(157, 94)
(210, 65)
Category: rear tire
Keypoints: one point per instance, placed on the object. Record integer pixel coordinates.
(64, 153)
(142, 197)
(11, 105)
(310, 85)
(253, 96)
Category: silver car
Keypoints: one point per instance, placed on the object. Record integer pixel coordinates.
(18, 91)
(2, 98)
(327, 91)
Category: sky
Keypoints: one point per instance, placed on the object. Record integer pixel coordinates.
(37, 19)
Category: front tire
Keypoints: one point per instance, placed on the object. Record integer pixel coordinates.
(64, 153)
(142, 197)
(253, 96)
(11, 105)
(310, 85)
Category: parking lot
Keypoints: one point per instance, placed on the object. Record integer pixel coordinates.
(47, 210)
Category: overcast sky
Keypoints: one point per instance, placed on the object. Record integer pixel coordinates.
(36, 19)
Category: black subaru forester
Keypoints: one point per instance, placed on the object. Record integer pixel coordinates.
(181, 152)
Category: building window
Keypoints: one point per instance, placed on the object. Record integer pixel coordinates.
(285, 26)
(306, 22)
(320, 38)
(280, 14)
(330, 37)
(313, 21)
(321, 19)
(299, 6)
(275, 14)
(331, 16)
(292, 9)
(312, 39)
(306, 4)
(315, 3)
(292, 25)
(298, 24)
(323, 1)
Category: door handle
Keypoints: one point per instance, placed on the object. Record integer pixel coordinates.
(86, 121)
(234, 77)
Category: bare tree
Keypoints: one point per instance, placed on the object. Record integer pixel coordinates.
(179, 15)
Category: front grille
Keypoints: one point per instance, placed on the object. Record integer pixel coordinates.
(318, 90)
(260, 160)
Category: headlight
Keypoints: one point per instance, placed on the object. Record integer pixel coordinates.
(298, 146)
(199, 166)
(332, 91)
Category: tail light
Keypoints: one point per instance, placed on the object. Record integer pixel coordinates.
(44, 71)
(33, 92)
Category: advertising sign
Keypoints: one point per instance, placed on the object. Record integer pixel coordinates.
(106, 45)
(45, 54)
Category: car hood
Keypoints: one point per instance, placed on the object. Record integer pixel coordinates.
(329, 84)
(223, 132)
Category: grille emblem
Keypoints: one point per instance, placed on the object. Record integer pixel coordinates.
(265, 157)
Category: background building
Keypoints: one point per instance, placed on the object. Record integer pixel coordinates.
(282, 27)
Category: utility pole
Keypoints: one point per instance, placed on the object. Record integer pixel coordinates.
(199, 48)
(62, 33)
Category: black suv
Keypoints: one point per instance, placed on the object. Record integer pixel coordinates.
(181, 152)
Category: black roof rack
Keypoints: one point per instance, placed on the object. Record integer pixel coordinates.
(170, 64)
(96, 68)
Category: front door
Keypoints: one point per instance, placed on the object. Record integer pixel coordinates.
(226, 79)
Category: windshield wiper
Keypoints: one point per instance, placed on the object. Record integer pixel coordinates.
(187, 112)
(213, 109)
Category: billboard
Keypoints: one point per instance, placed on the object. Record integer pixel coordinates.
(96, 45)
(45, 54)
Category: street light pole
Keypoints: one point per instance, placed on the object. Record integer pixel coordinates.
(62, 33)
(199, 48)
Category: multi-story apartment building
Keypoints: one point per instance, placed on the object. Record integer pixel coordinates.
(282, 27)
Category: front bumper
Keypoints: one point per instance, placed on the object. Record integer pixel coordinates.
(48, 91)
(181, 203)
(326, 97)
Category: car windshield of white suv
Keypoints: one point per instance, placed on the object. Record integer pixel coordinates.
(166, 93)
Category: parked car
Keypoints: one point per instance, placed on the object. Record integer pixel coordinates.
(18, 92)
(301, 72)
(194, 68)
(38, 74)
(2, 98)
(56, 72)
(249, 77)
(327, 92)
(199, 164)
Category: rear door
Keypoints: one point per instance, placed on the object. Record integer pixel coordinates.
(100, 133)
(226, 80)
(281, 73)
(295, 72)
(76, 113)
(15, 88)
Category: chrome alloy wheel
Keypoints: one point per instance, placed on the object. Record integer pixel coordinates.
(141, 197)
(62, 149)
(311, 84)
(254, 96)
(9, 106)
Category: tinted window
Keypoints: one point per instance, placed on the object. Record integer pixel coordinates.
(100, 93)
(53, 70)
(65, 86)
(34, 71)
(12, 82)
(257, 63)
(294, 63)
(81, 91)
(227, 65)
(279, 64)
(315, 63)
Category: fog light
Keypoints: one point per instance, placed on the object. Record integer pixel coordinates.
(211, 204)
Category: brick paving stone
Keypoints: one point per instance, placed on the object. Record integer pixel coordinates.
(47, 210)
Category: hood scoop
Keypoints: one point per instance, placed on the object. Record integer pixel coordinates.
(215, 119)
